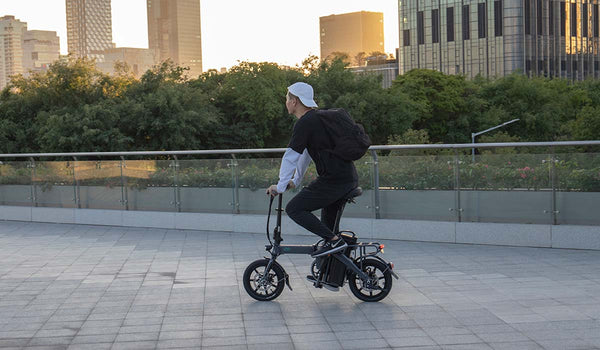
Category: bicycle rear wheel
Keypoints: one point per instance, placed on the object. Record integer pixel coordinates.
(261, 285)
(377, 287)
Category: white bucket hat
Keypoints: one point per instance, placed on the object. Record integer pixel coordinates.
(304, 92)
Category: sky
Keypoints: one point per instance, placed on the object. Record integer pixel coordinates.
(280, 31)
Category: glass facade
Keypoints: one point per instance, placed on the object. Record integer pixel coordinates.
(494, 38)
(174, 32)
(89, 28)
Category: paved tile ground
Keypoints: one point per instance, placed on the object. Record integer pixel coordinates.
(92, 287)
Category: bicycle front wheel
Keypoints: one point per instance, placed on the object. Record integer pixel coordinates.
(264, 285)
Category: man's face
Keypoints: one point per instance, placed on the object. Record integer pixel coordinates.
(290, 104)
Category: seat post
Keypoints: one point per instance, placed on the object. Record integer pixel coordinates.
(338, 218)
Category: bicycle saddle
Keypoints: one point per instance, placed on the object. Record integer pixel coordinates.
(349, 197)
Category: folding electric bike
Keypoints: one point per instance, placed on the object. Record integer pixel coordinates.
(368, 275)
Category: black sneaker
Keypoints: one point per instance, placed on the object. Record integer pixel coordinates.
(330, 248)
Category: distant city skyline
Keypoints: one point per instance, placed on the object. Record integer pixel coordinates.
(278, 31)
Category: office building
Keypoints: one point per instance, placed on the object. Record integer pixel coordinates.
(40, 49)
(497, 37)
(12, 32)
(351, 33)
(387, 68)
(174, 32)
(89, 28)
(138, 60)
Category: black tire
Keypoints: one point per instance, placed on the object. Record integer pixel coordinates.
(268, 289)
(380, 276)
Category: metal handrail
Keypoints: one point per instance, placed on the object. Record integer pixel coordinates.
(281, 150)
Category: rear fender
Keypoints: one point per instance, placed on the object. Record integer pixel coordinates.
(389, 267)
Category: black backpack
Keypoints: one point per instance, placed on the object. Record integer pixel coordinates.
(350, 142)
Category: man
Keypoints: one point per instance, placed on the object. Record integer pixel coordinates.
(336, 177)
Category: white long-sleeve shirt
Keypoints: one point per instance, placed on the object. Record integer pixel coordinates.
(293, 167)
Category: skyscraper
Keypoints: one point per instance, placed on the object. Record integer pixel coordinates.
(89, 27)
(11, 48)
(40, 49)
(174, 32)
(497, 37)
(351, 33)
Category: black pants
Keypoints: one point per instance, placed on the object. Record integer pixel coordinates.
(318, 195)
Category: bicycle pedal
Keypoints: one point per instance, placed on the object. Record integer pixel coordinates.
(314, 281)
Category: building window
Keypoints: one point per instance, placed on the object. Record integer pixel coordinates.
(573, 15)
(563, 65)
(527, 17)
(465, 23)
(563, 18)
(435, 26)
(450, 24)
(528, 65)
(584, 20)
(406, 34)
(420, 28)
(551, 18)
(481, 22)
(498, 18)
(596, 26)
(574, 66)
(540, 27)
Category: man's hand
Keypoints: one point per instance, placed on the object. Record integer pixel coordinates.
(272, 190)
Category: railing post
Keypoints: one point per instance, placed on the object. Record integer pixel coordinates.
(457, 207)
(33, 189)
(176, 189)
(375, 178)
(235, 179)
(124, 197)
(553, 179)
(76, 193)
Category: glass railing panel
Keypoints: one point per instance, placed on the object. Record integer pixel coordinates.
(254, 177)
(99, 184)
(417, 187)
(578, 188)
(515, 188)
(206, 186)
(365, 204)
(150, 185)
(54, 184)
(15, 183)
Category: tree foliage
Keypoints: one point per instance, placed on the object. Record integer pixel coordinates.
(75, 107)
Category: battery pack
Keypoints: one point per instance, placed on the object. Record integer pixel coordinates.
(336, 272)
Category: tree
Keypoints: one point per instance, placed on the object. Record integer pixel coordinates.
(251, 99)
(440, 103)
(164, 112)
(360, 59)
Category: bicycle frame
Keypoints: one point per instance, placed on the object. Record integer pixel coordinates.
(277, 248)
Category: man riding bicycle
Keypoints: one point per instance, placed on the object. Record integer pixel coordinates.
(336, 176)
